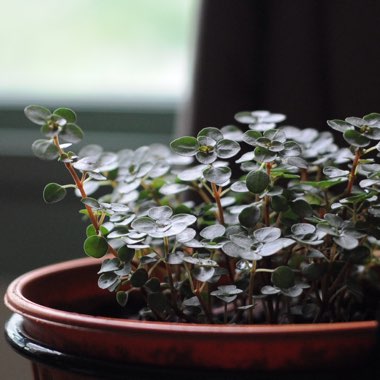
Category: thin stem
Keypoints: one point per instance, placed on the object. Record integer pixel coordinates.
(169, 271)
(204, 306)
(201, 193)
(264, 270)
(267, 198)
(250, 290)
(216, 193)
(352, 175)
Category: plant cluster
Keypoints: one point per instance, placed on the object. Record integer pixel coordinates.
(285, 232)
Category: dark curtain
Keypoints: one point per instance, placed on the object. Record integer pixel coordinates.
(310, 59)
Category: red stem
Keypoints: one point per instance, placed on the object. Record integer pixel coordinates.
(353, 172)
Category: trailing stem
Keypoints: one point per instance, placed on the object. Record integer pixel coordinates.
(79, 184)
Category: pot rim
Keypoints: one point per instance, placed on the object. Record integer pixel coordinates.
(16, 301)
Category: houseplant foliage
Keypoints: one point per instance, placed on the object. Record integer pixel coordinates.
(285, 232)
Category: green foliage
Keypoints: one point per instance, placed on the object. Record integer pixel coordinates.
(53, 192)
(95, 246)
(257, 181)
(290, 226)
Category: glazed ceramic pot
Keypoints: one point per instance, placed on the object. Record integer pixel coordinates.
(62, 313)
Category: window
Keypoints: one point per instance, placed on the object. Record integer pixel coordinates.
(124, 65)
(95, 51)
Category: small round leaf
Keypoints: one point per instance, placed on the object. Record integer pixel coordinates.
(355, 138)
(72, 133)
(217, 175)
(257, 181)
(67, 114)
(37, 114)
(45, 150)
(249, 216)
(53, 192)
(283, 277)
(227, 148)
(122, 298)
(301, 208)
(95, 246)
(279, 203)
(185, 146)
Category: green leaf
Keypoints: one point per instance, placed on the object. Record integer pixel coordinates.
(292, 149)
(53, 192)
(37, 114)
(139, 278)
(124, 270)
(314, 271)
(122, 298)
(269, 290)
(279, 203)
(110, 265)
(72, 133)
(227, 293)
(207, 157)
(250, 137)
(173, 188)
(355, 138)
(302, 229)
(45, 150)
(272, 247)
(301, 208)
(203, 273)
(339, 125)
(324, 185)
(185, 146)
(218, 175)
(227, 148)
(334, 172)
(67, 114)
(372, 117)
(213, 231)
(267, 234)
(346, 242)
(108, 281)
(293, 292)
(91, 202)
(283, 277)
(160, 212)
(249, 216)
(211, 132)
(298, 162)
(95, 246)
(257, 181)
(126, 254)
(264, 155)
(90, 230)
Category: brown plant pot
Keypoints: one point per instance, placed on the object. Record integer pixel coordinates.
(61, 311)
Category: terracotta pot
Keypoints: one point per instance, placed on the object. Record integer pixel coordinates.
(63, 311)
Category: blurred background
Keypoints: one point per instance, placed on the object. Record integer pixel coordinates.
(142, 71)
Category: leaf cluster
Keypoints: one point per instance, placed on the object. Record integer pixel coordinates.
(286, 231)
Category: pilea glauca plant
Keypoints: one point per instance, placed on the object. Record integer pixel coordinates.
(253, 224)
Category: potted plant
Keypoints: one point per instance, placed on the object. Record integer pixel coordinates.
(212, 256)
